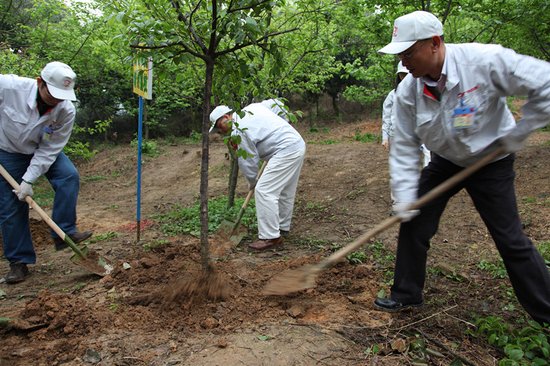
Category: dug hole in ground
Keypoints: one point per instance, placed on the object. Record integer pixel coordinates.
(121, 319)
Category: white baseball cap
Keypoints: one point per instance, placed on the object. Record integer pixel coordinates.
(60, 79)
(401, 68)
(216, 114)
(410, 28)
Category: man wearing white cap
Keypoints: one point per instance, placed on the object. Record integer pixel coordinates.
(455, 103)
(36, 120)
(388, 117)
(387, 107)
(268, 137)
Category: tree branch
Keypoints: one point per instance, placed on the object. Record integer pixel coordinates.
(251, 6)
(246, 44)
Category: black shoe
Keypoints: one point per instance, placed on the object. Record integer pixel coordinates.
(76, 238)
(392, 306)
(18, 272)
(284, 233)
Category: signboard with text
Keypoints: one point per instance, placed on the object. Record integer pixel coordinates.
(143, 77)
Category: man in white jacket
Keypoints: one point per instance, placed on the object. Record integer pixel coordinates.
(455, 103)
(278, 107)
(36, 120)
(268, 137)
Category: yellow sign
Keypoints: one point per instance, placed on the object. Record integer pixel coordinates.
(143, 77)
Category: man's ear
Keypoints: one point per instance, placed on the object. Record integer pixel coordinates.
(436, 43)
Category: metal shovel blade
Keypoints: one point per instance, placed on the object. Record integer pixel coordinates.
(232, 231)
(92, 261)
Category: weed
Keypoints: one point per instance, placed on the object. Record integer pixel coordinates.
(526, 346)
(366, 137)
(186, 220)
(358, 257)
(354, 194)
(447, 273)
(79, 286)
(104, 236)
(496, 270)
(380, 254)
(312, 243)
(93, 178)
(148, 147)
(324, 142)
(544, 250)
(372, 350)
(155, 244)
(529, 200)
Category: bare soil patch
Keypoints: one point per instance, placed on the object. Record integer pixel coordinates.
(142, 314)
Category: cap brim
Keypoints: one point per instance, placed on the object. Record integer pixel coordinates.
(396, 47)
(61, 94)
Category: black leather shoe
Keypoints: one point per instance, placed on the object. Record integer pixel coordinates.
(76, 238)
(392, 306)
(17, 273)
(284, 233)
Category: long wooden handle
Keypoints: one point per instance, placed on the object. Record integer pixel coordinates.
(248, 198)
(42, 213)
(435, 192)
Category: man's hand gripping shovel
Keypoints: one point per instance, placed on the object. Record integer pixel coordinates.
(232, 230)
(83, 256)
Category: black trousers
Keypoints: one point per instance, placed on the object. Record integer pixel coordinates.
(492, 191)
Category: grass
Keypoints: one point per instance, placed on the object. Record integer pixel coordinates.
(93, 178)
(496, 269)
(366, 137)
(103, 237)
(324, 142)
(43, 192)
(186, 220)
(309, 243)
(155, 244)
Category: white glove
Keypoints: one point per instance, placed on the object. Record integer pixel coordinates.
(511, 143)
(401, 210)
(25, 189)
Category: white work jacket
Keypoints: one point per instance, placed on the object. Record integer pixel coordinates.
(472, 113)
(387, 116)
(277, 107)
(263, 134)
(24, 131)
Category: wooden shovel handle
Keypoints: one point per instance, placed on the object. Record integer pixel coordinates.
(435, 192)
(42, 213)
(247, 199)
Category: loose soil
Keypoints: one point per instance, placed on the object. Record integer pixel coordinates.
(153, 309)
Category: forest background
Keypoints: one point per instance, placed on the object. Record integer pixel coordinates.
(318, 55)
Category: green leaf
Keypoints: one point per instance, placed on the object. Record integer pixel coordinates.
(513, 352)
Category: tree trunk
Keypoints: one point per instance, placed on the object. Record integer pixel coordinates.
(205, 245)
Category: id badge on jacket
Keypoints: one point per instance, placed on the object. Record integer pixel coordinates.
(463, 116)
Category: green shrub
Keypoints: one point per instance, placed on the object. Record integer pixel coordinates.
(148, 147)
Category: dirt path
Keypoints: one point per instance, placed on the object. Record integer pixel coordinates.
(122, 319)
